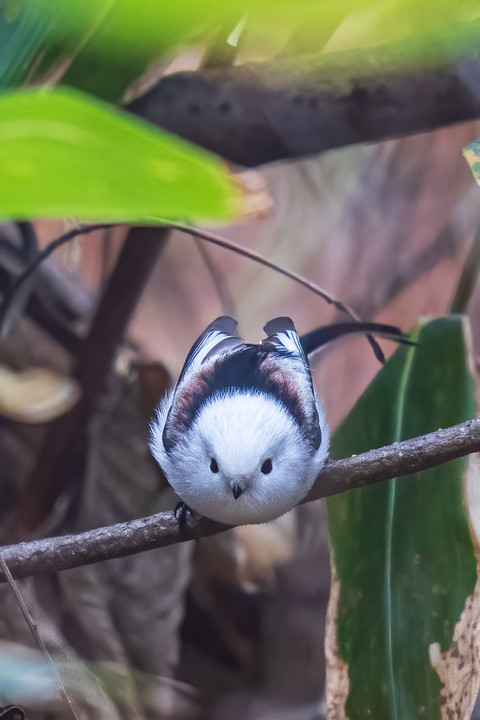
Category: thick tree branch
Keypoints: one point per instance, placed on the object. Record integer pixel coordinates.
(127, 538)
(258, 113)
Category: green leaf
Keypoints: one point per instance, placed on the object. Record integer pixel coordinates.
(471, 153)
(22, 36)
(157, 24)
(402, 552)
(64, 154)
(112, 42)
(109, 43)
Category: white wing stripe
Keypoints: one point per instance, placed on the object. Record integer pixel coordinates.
(289, 340)
(207, 344)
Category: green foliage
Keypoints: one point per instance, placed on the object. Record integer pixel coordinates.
(471, 153)
(110, 42)
(22, 37)
(402, 550)
(65, 154)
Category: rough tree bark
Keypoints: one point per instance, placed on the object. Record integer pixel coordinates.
(257, 113)
(162, 529)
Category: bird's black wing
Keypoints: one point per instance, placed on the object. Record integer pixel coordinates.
(282, 335)
(196, 377)
(288, 354)
(219, 337)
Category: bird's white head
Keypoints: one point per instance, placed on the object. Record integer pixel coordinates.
(243, 460)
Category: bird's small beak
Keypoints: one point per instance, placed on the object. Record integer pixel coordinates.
(237, 489)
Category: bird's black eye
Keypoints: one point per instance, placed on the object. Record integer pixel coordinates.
(213, 465)
(267, 466)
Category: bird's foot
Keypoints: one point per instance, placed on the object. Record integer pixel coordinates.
(181, 512)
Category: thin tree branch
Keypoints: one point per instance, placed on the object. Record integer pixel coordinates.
(211, 237)
(14, 290)
(36, 634)
(221, 288)
(221, 242)
(127, 538)
(196, 233)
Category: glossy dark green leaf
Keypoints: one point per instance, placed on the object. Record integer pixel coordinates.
(402, 550)
(64, 154)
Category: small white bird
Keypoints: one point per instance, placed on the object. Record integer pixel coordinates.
(242, 436)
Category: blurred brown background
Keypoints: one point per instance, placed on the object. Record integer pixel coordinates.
(232, 626)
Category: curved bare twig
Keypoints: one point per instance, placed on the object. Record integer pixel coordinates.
(33, 627)
(41, 257)
(296, 277)
(203, 235)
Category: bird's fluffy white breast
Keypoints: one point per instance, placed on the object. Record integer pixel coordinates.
(240, 429)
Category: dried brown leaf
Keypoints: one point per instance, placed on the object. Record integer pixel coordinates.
(260, 548)
(255, 200)
(36, 395)
(459, 667)
(337, 685)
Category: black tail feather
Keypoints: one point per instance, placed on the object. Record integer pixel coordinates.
(315, 339)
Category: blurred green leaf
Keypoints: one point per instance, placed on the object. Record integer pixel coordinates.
(65, 154)
(102, 46)
(109, 43)
(126, 25)
(402, 552)
(22, 37)
(122, 23)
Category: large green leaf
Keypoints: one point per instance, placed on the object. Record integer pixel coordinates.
(402, 552)
(65, 154)
(110, 43)
(34, 37)
(161, 24)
